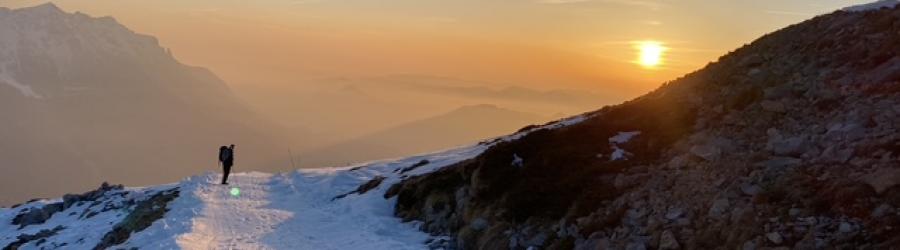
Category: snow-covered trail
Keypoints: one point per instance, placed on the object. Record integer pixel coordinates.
(294, 210)
(234, 221)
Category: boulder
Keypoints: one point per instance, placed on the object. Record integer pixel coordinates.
(718, 207)
(674, 213)
(832, 154)
(775, 238)
(706, 152)
(883, 179)
(750, 189)
(667, 241)
(845, 227)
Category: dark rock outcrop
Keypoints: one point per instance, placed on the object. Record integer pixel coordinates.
(25, 238)
(39, 215)
(144, 214)
(363, 188)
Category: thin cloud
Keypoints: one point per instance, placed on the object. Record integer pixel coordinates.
(788, 13)
(639, 3)
(652, 22)
(560, 1)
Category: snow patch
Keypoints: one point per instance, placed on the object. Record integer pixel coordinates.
(618, 154)
(22, 88)
(620, 138)
(517, 161)
(623, 137)
(872, 6)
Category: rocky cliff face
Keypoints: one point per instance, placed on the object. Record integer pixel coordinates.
(84, 100)
(789, 142)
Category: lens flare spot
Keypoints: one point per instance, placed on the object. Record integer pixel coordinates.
(650, 53)
(235, 192)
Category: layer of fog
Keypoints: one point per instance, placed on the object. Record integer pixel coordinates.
(335, 121)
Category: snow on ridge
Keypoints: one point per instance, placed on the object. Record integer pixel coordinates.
(22, 88)
(872, 6)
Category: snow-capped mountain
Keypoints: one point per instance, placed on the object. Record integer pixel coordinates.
(85, 99)
(46, 53)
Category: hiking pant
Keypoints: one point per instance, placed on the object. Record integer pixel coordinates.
(226, 169)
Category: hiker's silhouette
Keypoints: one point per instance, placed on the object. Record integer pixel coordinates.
(226, 158)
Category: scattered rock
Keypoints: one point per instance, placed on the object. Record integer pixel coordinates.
(794, 212)
(706, 152)
(667, 241)
(750, 189)
(789, 147)
(882, 210)
(883, 179)
(414, 166)
(39, 236)
(592, 244)
(36, 215)
(479, 224)
(517, 161)
(636, 246)
(718, 207)
(775, 237)
(749, 245)
(777, 92)
(674, 213)
(845, 227)
(678, 162)
(781, 162)
(536, 240)
(144, 214)
(363, 188)
(622, 181)
(772, 106)
(832, 154)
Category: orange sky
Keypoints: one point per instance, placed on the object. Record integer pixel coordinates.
(582, 44)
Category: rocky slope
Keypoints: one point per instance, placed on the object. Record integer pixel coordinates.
(789, 142)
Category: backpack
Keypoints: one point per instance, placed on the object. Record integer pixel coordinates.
(225, 154)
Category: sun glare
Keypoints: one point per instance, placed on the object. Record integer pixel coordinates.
(650, 53)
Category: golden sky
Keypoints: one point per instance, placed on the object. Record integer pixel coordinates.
(580, 44)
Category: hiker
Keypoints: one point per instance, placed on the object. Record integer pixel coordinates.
(226, 158)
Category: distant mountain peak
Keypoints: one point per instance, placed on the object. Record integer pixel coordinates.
(44, 38)
(48, 7)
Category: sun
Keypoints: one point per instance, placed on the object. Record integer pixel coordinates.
(650, 53)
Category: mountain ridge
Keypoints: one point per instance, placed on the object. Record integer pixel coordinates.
(449, 129)
(92, 95)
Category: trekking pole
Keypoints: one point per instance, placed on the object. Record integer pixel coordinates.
(291, 155)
